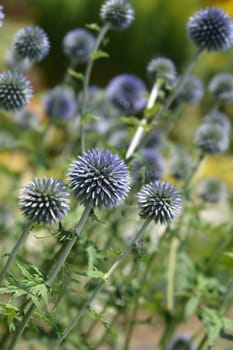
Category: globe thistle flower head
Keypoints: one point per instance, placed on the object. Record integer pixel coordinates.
(44, 201)
(221, 87)
(159, 201)
(14, 62)
(211, 139)
(192, 90)
(15, 91)
(60, 103)
(99, 178)
(155, 140)
(148, 166)
(180, 165)
(118, 13)
(162, 68)
(212, 190)
(78, 45)
(181, 342)
(218, 118)
(32, 43)
(211, 29)
(127, 92)
(1, 15)
(26, 119)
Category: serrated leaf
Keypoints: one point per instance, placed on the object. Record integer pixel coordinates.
(95, 273)
(227, 324)
(76, 75)
(191, 306)
(150, 112)
(98, 316)
(129, 120)
(98, 54)
(93, 26)
(88, 117)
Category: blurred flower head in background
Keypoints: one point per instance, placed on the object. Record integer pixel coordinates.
(161, 68)
(118, 13)
(192, 90)
(148, 166)
(221, 87)
(211, 139)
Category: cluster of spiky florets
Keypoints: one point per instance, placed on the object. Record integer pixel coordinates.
(44, 201)
(162, 68)
(127, 92)
(192, 90)
(221, 87)
(180, 165)
(218, 118)
(99, 178)
(159, 201)
(211, 29)
(78, 45)
(118, 13)
(181, 342)
(148, 166)
(211, 139)
(212, 190)
(60, 103)
(32, 43)
(1, 15)
(15, 91)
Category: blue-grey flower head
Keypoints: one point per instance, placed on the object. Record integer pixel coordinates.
(181, 342)
(44, 200)
(60, 103)
(159, 201)
(211, 138)
(162, 68)
(211, 29)
(218, 118)
(14, 62)
(118, 13)
(99, 178)
(180, 165)
(192, 90)
(32, 43)
(127, 92)
(212, 190)
(221, 87)
(155, 139)
(26, 119)
(15, 91)
(148, 166)
(1, 15)
(78, 45)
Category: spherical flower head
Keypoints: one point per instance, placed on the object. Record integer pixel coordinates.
(44, 201)
(181, 342)
(127, 92)
(26, 119)
(1, 15)
(221, 87)
(148, 166)
(212, 190)
(211, 139)
(180, 165)
(192, 90)
(211, 29)
(118, 13)
(32, 43)
(218, 118)
(15, 91)
(162, 68)
(155, 139)
(13, 61)
(78, 45)
(99, 178)
(159, 201)
(60, 103)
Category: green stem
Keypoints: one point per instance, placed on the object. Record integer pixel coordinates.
(14, 251)
(140, 130)
(171, 274)
(188, 182)
(57, 267)
(202, 343)
(102, 283)
(86, 81)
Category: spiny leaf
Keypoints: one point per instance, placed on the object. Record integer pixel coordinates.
(76, 75)
(98, 316)
(150, 112)
(88, 117)
(93, 26)
(98, 54)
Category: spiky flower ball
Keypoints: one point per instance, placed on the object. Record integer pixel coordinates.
(1, 15)
(211, 139)
(78, 45)
(162, 68)
(60, 103)
(218, 118)
(15, 91)
(159, 201)
(221, 87)
(192, 90)
(181, 342)
(148, 166)
(180, 165)
(127, 92)
(14, 62)
(118, 13)
(212, 190)
(26, 119)
(99, 178)
(44, 201)
(32, 43)
(211, 29)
